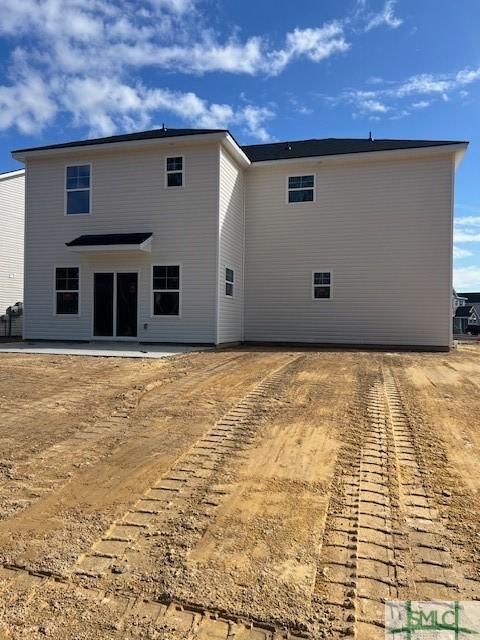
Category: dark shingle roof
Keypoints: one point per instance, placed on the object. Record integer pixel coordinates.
(139, 135)
(332, 146)
(463, 312)
(471, 297)
(263, 152)
(109, 239)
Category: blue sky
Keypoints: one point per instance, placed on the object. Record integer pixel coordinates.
(267, 70)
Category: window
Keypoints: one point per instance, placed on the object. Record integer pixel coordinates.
(67, 287)
(301, 188)
(322, 284)
(166, 290)
(229, 278)
(175, 172)
(77, 189)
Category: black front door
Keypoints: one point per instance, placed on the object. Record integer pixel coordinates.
(126, 305)
(115, 305)
(103, 304)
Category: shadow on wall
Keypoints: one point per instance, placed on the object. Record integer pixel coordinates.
(11, 322)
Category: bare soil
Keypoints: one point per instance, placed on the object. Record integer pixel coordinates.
(239, 494)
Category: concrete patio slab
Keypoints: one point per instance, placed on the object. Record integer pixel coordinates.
(100, 349)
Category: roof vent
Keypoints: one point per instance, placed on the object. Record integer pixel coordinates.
(370, 137)
(288, 146)
(164, 128)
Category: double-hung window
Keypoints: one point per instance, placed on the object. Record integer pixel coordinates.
(67, 289)
(301, 188)
(174, 172)
(322, 284)
(166, 290)
(78, 189)
(229, 282)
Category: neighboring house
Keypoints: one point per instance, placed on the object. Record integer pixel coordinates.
(12, 216)
(467, 317)
(184, 236)
(457, 301)
(471, 298)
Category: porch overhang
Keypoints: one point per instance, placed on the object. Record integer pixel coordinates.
(112, 242)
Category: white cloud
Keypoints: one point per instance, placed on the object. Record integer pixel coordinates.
(177, 6)
(466, 278)
(421, 104)
(470, 221)
(27, 105)
(458, 252)
(80, 55)
(386, 17)
(105, 105)
(400, 99)
(466, 236)
(315, 44)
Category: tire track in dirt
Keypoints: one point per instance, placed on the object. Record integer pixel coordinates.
(186, 480)
(383, 538)
(189, 479)
(436, 574)
(136, 616)
(41, 473)
(362, 560)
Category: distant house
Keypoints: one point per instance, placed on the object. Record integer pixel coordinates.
(181, 235)
(457, 301)
(467, 315)
(12, 217)
(471, 298)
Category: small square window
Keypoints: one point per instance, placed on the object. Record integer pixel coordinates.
(322, 285)
(174, 172)
(301, 188)
(166, 290)
(174, 179)
(175, 164)
(77, 185)
(229, 282)
(67, 288)
(166, 303)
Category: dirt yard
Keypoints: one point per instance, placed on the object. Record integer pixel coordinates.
(244, 494)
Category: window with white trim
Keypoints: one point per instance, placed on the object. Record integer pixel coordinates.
(322, 284)
(229, 282)
(174, 171)
(77, 185)
(67, 291)
(166, 290)
(301, 189)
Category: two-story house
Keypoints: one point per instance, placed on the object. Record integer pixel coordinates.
(185, 236)
(12, 215)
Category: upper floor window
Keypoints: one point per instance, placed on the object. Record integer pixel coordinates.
(67, 288)
(229, 282)
(301, 188)
(166, 290)
(78, 189)
(322, 284)
(174, 169)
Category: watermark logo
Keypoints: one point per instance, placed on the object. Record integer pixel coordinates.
(435, 620)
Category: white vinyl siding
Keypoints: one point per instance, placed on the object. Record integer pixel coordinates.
(128, 197)
(12, 212)
(383, 227)
(231, 249)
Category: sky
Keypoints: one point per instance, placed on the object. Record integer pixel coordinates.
(267, 70)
